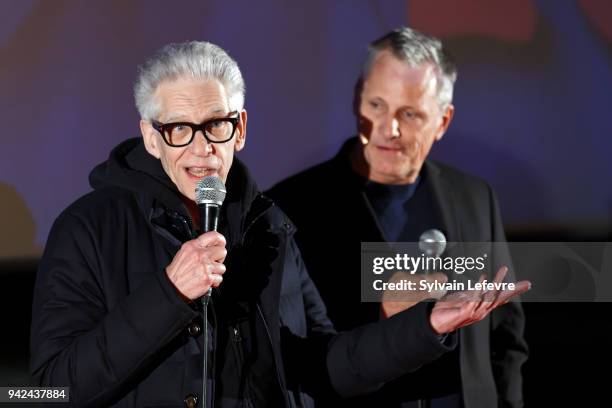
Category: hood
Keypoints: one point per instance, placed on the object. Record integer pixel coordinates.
(131, 167)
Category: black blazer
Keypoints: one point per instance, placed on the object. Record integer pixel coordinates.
(328, 205)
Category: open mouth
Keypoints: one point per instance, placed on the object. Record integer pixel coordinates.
(199, 172)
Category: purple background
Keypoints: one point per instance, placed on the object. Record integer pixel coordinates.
(532, 113)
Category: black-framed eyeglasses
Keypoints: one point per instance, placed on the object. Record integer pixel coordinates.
(179, 134)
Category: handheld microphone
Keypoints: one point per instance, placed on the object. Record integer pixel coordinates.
(432, 242)
(210, 193)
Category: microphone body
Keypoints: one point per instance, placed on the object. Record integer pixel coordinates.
(209, 216)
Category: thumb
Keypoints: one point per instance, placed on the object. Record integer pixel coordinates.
(211, 238)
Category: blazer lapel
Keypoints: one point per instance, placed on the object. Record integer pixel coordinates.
(445, 200)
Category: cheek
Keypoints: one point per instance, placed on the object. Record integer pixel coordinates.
(170, 163)
(419, 140)
(225, 155)
(427, 139)
(226, 160)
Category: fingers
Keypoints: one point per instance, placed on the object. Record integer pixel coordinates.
(212, 271)
(213, 254)
(499, 278)
(489, 296)
(492, 295)
(501, 297)
(501, 274)
(476, 295)
(211, 238)
(463, 309)
(214, 268)
(215, 279)
(206, 275)
(198, 265)
(519, 288)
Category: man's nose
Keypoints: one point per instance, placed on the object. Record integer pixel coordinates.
(200, 145)
(391, 128)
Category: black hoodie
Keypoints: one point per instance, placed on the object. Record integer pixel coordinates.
(108, 323)
(123, 335)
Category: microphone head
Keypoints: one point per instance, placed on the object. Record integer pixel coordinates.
(432, 242)
(210, 190)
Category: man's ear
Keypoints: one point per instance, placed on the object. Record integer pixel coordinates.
(447, 117)
(149, 136)
(241, 129)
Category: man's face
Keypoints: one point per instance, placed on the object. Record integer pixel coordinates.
(195, 101)
(399, 119)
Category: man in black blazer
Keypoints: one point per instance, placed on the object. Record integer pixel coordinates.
(381, 187)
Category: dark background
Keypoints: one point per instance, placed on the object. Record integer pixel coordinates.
(533, 102)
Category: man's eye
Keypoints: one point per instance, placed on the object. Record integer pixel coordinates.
(216, 123)
(374, 104)
(178, 128)
(409, 115)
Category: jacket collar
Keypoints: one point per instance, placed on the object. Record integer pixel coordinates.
(131, 167)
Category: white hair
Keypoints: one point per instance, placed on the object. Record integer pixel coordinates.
(194, 59)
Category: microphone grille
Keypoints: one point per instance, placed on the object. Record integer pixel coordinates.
(210, 190)
(432, 242)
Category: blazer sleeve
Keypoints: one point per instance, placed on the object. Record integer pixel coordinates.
(362, 360)
(509, 350)
(76, 340)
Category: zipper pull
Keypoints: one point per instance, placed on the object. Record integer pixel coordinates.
(237, 337)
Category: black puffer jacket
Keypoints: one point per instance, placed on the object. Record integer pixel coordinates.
(108, 323)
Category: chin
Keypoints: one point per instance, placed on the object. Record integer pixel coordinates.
(188, 190)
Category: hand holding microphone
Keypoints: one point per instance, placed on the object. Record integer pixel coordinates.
(198, 265)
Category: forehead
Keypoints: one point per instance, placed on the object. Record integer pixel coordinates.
(389, 77)
(191, 99)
